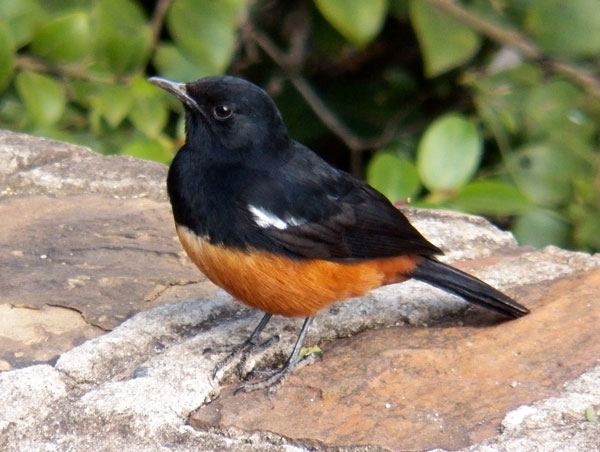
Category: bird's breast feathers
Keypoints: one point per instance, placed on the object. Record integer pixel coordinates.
(285, 286)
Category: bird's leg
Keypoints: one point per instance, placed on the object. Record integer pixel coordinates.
(245, 347)
(290, 365)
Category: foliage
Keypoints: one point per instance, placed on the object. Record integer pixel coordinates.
(488, 106)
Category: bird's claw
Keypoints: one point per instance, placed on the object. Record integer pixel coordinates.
(242, 351)
(274, 378)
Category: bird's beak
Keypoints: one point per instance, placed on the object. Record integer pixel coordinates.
(178, 89)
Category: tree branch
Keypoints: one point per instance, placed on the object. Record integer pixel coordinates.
(32, 64)
(355, 143)
(585, 79)
(158, 18)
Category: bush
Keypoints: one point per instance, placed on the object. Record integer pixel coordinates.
(486, 106)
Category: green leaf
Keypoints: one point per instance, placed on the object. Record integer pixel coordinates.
(590, 415)
(586, 231)
(358, 21)
(83, 91)
(13, 114)
(569, 28)
(540, 228)
(545, 172)
(449, 153)
(445, 43)
(306, 351)
(327, 40)
(491, 198)
(22, 17)
(128, 55)
(555, 109)
(393, 176)
(44, 97)
(171, 63)
(205, 31)
(112, 102)
(120, 15)
(148, 149)
(123, 35)
(150, 113)
(60, 7)
(7, 56)
(64, 39)
(499, 97)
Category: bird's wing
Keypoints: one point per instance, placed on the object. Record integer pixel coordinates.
(327, 214)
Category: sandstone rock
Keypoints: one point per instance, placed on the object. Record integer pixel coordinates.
(76, 265)
(447, 385)
(83, 252)
(30, 165)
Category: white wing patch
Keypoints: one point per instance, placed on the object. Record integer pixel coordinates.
(266, 219)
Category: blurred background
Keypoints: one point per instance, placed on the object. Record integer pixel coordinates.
(486, 106)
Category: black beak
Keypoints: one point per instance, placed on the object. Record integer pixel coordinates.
(178, 90)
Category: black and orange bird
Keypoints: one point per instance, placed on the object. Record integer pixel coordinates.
(269, 221)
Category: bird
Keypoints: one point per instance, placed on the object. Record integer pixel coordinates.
(280, 229)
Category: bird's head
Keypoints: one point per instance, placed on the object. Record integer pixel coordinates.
(228, 115)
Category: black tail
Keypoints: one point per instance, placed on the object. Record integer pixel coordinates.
(468, 287)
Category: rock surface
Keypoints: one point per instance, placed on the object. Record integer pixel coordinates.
(407, 367)
(30, 165)
(97, 247)
(392, 381)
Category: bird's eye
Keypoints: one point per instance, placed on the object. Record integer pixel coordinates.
(222, 112)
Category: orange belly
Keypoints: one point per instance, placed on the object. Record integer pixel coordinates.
(280, 285)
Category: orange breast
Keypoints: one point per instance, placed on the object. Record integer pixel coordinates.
(290, 287)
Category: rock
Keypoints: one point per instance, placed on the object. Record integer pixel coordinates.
(407, 366)
(28, 396)
(39, 335)
(447, 385)
(553, 424)
(83, 252)
(30, 165)
(76, 265)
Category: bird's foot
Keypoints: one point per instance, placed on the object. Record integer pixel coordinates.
(274, 378)
(242, 351)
